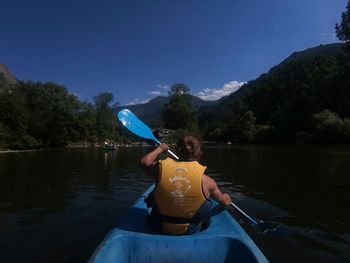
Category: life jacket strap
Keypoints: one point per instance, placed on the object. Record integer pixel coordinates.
(198, 217)
(176, 220)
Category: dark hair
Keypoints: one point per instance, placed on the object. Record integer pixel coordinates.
(189, 148)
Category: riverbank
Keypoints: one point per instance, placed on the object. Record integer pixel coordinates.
(40, 149)
(18, 151)
(77, 146)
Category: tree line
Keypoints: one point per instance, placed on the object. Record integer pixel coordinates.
(306, 101)
(40, 115)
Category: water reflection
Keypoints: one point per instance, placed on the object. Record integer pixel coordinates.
(306, 187)
(57, 205)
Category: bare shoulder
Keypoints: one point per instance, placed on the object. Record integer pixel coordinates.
(209, 183)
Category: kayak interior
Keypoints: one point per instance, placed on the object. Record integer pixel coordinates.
(133, 241)
(174, 249)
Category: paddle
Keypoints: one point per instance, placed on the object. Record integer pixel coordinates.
(253, 222)
(137, 127)
(259, 225)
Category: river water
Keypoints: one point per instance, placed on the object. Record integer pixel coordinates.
(57, 205)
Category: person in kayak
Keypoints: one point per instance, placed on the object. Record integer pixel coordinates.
(180, 201)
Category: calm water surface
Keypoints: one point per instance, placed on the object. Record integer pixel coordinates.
(56, 206)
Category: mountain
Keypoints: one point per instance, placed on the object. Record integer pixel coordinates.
(150, 112)
(6, 78)
(329, 50)
(223, 109)
(283, 102)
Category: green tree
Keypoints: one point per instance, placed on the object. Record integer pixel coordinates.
(39, 115)
(85, 124)
(328, 126)
(106, 123)
(180, 112)
(242, 129)
(13, 120)
(179, 89)
(346, 130)
(343, 30)
(35, 114)
(53, 113)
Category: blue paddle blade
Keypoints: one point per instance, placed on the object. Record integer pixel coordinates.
(135, 125)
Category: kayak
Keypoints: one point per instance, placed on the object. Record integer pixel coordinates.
(109, 147)
(134, 241)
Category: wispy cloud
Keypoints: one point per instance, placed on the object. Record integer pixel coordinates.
(155, 92)
(75, 94)
(215, 94)
(162, 90)
(137, 101)
(165, 88)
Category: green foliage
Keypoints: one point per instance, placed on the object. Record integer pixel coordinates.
(242, 129)
(13, 119)
(278, 106)
(343, 30)
(329, 127)
(264, 133)
(215, 135)
(180, 113)
(106, 123)
(179, 89)
(346, 130)
(35, 115)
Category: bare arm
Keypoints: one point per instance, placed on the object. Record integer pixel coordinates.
(210, 187)
(149, 162)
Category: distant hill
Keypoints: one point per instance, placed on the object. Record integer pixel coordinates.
(223, 109)
(328, 50)
(6, 77)
(150, 112)
(284, 99)
(212, 111)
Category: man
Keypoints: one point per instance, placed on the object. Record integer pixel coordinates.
(180, 202)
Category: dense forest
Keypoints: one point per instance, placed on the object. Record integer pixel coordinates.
(38, 115)
(304, 99)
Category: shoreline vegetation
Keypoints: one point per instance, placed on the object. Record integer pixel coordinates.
(142, 144)
(78, 146)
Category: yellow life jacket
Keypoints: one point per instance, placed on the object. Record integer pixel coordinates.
(179, 192)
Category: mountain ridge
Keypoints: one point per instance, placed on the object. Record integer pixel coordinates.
(6, 77)
(150, 111)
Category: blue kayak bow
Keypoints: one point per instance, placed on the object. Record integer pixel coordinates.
(137, 127)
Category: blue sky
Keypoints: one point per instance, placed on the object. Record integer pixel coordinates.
(136, 49)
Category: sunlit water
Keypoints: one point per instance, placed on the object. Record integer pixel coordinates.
(57, 205)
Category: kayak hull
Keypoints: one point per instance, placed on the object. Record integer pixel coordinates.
(133, 241)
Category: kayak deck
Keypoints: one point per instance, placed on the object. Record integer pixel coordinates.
(133, 241)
